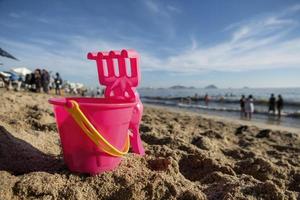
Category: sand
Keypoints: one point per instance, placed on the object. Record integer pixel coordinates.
(188, 156)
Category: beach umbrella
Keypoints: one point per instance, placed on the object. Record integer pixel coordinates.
(4, 74)
(6, 54)
(21, 71)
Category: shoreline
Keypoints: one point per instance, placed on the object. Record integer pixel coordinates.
(227, 119)
(217, 99)
(263, 117)
(291, 110)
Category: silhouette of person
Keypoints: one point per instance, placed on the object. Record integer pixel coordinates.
(272, 102)
(38, 80)
(45, 78)
(242, 105)
(279, 104)
(249, 107)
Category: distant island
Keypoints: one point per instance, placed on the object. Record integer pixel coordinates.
(211, 87)
(176, 87)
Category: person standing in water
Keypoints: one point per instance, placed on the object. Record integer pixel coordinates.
(272, 103)
(279, 104)
(249, 107)
(242, 105)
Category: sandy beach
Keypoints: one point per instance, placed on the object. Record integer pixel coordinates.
(188, 156)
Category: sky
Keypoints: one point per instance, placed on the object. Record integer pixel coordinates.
(192, 43)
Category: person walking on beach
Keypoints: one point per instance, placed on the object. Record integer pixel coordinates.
(45, 81)
(279, 104)
(242, 105)
(272, 102)
(58, 83)
(249, 107)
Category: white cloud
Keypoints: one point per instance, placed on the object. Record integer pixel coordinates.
(194, 43)
(242, 32)
(157, 7)
(69, 59)
(260, 43)
(43, 20)
(152, 6)
(294, 8)
(14, 15)
(37, 56)
(173, 9)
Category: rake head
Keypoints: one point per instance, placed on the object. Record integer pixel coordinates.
(118, 71)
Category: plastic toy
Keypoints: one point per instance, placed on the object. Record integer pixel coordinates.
(95, 132)
(121, 85)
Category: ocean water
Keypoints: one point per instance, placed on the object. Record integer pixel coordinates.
(289, 94)
(225, 102)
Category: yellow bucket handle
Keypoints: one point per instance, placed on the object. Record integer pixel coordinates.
(92, 132)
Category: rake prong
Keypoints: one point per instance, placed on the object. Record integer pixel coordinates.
(100, 68)
(124, 53)
(110, 67)
(135, 74)
(122, 66)
(92, 56)
(112, 54)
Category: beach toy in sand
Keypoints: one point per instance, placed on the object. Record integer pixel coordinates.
(121, 78)
(95, 132)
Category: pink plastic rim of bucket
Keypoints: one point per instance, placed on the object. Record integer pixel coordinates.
(99, 102)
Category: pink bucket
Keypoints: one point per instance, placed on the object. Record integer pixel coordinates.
(110, 117)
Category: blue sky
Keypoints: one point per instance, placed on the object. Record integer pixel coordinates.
(194, 43)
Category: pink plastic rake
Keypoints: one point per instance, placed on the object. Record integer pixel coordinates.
(120, 81)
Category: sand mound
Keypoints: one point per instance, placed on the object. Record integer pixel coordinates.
(188, 157)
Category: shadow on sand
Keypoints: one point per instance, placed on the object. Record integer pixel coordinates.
(19, 157)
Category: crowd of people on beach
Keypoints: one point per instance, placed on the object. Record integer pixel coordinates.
(40, 80)
(247, 106)
(37, 81)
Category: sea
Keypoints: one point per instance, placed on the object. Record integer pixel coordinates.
(225, 102)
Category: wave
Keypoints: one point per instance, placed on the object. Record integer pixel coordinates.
(295, 114)
(217, 100)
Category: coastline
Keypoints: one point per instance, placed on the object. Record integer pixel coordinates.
(291, 109)
(218, 99)
(289, 120)
(227, 119)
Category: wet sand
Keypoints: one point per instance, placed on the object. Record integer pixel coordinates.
(188, 156)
